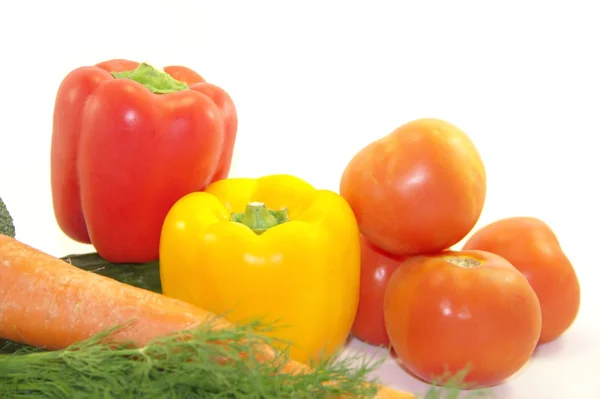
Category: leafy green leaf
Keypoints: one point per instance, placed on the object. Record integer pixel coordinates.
(7, 226)
(146, 276)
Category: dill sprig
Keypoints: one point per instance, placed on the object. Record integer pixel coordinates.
(204, 362)
(452, 386)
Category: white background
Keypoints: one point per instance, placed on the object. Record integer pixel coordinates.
(316, 81)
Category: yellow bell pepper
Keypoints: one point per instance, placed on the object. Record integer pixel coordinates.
(273, 248)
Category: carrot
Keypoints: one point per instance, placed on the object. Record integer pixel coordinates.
(47, 303)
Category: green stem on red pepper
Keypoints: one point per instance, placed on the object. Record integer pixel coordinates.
(260, 218)
(154, 79)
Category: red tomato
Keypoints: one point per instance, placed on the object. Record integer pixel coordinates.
(459, 309)
(420, 189)
(532, 247)
(375, 270)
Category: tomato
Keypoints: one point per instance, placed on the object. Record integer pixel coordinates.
(418, 190)
(533, 248)
(461, 309)
(375, 270)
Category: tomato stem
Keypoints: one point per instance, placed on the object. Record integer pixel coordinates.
(463, 261)
(260, 218)
(154, 79)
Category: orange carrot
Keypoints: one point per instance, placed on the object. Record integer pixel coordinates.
(48, 303)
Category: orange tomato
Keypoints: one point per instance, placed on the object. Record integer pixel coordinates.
(375, 270)
(533, 248)
(462, 309)
(418, 190)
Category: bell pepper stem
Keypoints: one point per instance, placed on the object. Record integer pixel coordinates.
(154, 79)
(259, 218)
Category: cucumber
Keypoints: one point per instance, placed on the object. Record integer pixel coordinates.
(144, 276)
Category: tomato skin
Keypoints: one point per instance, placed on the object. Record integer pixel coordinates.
(375, 270)
(531, 246)
(443, 317)
(418, 190)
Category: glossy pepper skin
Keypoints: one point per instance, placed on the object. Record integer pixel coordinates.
(128, 141)
(221, 251)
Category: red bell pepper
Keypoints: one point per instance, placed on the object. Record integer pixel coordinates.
(128, 141)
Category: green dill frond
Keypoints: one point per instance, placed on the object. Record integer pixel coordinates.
(200, 363)
(452, 386)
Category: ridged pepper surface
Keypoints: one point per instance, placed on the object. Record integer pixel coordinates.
(128, 141)
(273, 248)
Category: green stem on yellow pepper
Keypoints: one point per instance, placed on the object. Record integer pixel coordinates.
(260, 218)
(154, 79)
